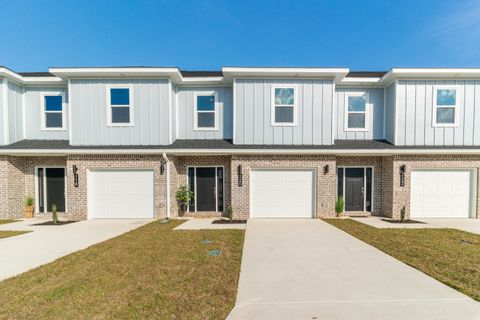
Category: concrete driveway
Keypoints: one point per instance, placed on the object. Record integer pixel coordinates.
(308, 269)
(48, 243)
(468, 225)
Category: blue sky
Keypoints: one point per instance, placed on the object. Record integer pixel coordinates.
(205, 35)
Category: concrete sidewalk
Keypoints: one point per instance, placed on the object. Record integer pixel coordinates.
(48, 243)
(308, 269)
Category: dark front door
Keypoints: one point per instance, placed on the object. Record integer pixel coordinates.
(354, 188)
(55, 187)
(206, 200)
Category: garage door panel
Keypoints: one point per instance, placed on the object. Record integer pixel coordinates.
(281, 193)
(440, 194)
(120, 194)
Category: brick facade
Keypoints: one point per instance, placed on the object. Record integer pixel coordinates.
(401, 195)
(325, 187)
(17, 179)
(180, 172)
(77, 196)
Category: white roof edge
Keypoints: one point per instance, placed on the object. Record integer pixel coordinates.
(373, 152)
(396, 73)
(9, 74)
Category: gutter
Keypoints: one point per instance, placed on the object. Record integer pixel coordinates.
(363, 152)
(167, 161)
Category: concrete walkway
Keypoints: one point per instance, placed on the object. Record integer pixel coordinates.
(48, 243)
(208, 224)
(468, 225)
(308, 269)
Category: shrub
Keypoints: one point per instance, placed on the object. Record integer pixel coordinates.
(28, 201)
(402, 214)
(339, 206)
(230, 213)
(54, 214)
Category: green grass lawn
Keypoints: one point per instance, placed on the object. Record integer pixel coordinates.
(448, 255)
(5, 221)
(149, 273)
(6, 234)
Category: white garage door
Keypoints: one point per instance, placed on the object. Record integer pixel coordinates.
(281, 193)
(120, 194)
(441, 194)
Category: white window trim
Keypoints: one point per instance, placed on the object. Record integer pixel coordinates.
(43, 118)
(435, 107)
(195, 112)
(109, 105)
(295, 105)
(366, 112)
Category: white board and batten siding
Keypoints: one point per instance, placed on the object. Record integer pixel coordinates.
(253, 105)
(33, 108)
(15, 111)
(375, 114)
(389, 122)
(415, 112)
(151, 118)
(186, 110)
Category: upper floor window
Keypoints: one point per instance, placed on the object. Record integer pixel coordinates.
(53, 112)
(356, 111)
(120, 109)
(205, 116)
(284, 106)
(445, 106)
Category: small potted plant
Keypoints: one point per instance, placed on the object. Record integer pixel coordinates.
(184, 195)
(28, 207)
(339, 206)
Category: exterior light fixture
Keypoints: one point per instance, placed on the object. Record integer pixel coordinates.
(239, 175)
(326, 168)
(403, 169)
(162, 168)
(75, 176)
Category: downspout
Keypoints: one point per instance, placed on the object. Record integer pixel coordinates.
(167, 163)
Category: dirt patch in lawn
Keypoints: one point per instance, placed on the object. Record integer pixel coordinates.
(448, 255)
(7, 234)
(5, 221)
(149, 273)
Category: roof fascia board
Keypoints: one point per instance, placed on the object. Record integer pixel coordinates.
(370, 152)
(239, 72)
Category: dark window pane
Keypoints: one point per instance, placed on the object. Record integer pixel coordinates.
(120, 114)
(356, 120)
(120, 96)
(369, 189)
(41, 194)
(53, 120)
(220, 189)
(284, 114)
(191, 186)
(446, 115)
(53, 103)
(206, 103)
(340, 182)
(206, 120)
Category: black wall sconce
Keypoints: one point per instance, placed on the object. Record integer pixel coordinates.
(75, 176)
(162, 169)
(326, 168)
(240, 175)
(403, 169)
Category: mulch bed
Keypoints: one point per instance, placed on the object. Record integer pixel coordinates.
(50, 223)
(228, 221)
(402, 222)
